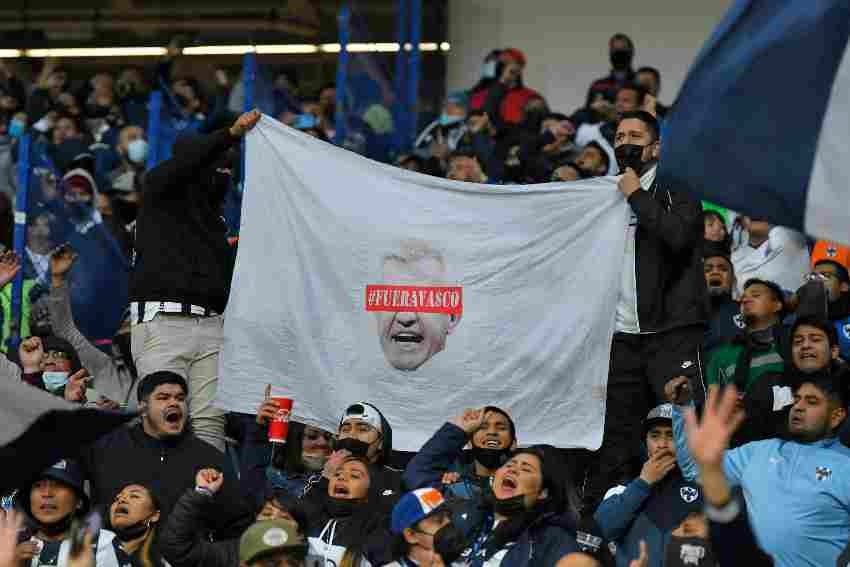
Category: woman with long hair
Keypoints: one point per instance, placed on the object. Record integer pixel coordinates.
(134, 517)
(345, 526)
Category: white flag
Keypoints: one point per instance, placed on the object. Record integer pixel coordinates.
(360, 281)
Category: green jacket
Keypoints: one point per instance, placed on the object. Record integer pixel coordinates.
(723, 361)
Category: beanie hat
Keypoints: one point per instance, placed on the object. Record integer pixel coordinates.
(515, 54)
(150, 382)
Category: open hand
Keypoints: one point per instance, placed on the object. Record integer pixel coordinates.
(470, 421)
(10, 265)
(708, 438)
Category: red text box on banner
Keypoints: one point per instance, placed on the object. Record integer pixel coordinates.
(415, 298)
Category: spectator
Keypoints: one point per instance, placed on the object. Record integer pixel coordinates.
(725, 319)
(773, 253)
(464, 166)
(134, 517)
(506, 99)
(603, 91)
(272, 542)
(630, 98)
(480, 140)
(520, 525)
(299, 463)
(345, 521)
(52, 503)
(51, 82)
(422, 530)
(443, 135)
(182, 269)
(830, 263)
(662, 306)
(552, 145)
(443, 463)
(411, 162)
(133, 96)
(133, 149)
(567, 172)
(114, 379)
(162, 448)
(650, 79)
(814, 352)
(814, 527)
(654, 506)
(594, 161)
(488, 75)
(715, 227)
(601, 134)
(758, 349)
(183, 543)
(366, 434)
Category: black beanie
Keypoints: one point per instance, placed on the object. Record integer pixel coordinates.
(54, 343)
(151, 381)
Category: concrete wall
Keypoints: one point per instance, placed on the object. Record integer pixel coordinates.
(566, 40)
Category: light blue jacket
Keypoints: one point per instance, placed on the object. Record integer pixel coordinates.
(798, 495)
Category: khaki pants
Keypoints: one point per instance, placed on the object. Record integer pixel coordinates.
(187, 345)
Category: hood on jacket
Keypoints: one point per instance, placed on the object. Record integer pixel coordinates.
(386, 430)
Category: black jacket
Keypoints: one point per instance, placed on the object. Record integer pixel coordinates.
(129, 455)
(671, 291)
(181, 542)
(181, 252)
(724, 316)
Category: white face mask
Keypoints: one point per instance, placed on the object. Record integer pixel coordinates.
(54, 380)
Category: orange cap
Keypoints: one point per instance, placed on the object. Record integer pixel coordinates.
(826, 250)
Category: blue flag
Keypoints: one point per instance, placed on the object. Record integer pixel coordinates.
(761, 123)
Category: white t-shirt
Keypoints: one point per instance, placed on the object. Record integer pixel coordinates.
(783, 259)
(627, 308)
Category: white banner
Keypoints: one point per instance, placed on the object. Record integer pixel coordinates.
(356, 281)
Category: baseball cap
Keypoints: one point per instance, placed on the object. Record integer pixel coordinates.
(362, 411)
(414, 507)
(662, 413)
(269, 536)
(825, 250)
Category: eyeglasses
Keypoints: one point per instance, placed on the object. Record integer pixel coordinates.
(56, 356)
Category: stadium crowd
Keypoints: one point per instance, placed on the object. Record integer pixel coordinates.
(726, 435)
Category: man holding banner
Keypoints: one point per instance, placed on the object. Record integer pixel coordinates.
(182, 266)
(661, 306)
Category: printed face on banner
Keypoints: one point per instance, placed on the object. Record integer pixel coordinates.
(415, 307)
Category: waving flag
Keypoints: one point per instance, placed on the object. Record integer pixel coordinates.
(356, 280)
(37, 429)
(762, 122)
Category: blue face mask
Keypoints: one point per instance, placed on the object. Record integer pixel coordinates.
(54, 380)
(137, 151)
(449, 120)
(16, 128)
(488, 70)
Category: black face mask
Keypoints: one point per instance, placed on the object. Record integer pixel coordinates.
(449, 543)
(181, 101)
(356, 447)
(630, 155)
(130, 533)
(509, 506)
(682, 551)
(340, 507)
(621, 59)
(490, 459)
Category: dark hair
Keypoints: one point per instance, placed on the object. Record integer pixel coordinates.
(639, 89)
(605, 158)
(150, 383)
(78, 124)
(774, 288)
(556, 116)
(404, 159)
(507, 416)
(819, 323)
(462, 153)
(645, 117)
(292, 461)
(623, 37)
(652, 71)
(841, 271)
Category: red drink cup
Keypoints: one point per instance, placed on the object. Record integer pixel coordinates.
(279, 426)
